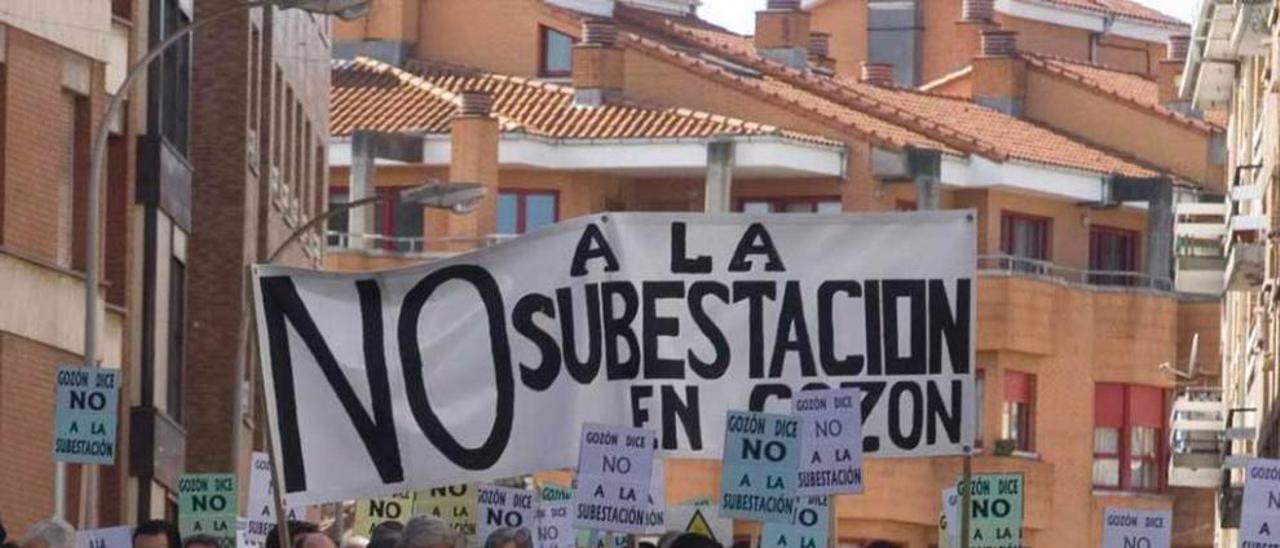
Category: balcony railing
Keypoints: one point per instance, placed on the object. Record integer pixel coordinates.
(1008, 265)
(1196, 435)
(414, 246)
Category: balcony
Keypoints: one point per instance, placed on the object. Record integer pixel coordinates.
(1246, 266)
(1200, 229)
(1008, 265)
(1196, 433)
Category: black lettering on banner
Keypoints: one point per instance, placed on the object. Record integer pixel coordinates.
(761, 393)
(754, 293)
(875, 334)
(715, 368)
(905, 397)
(952, 326)
(938, 412)
(544, 375)
(583, 371)
(490, 294)
(831, 365)
(655, 326)
(792, 334)
(281, 303)
(913, 363)
(687, 411)
(639, 414)
(592, 245)
(681, 263)
(748, 246)
(616, 326)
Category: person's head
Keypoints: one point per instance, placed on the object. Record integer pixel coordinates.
(355, 541)
(502, 538)
(386, 534)
(298, 532)
(667, 538)
(524, 538)
(200, 541)
(156, 534)
(50, 533)
(427, 532)
(691, 540)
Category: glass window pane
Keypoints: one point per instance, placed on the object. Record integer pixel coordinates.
(559, 53)
(508, 209)
(1106, 472)
(337, 223)
(1106, 441)
(1142, 475)
(757, 207)
(1142, 442)
(830, 206)
(408, 226)
(539, 211)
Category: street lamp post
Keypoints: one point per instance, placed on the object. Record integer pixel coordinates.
(346, 9)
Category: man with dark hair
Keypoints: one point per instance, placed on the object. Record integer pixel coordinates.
(302, 534)
(386, 534)
(156, 533)
(200, 541)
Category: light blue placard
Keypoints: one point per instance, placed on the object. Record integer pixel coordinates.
(810, 528)
(85, 415)
(758, 479)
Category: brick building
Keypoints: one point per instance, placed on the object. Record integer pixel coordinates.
(1083, 295)
(1230, 67)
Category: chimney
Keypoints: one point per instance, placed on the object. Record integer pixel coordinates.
(1169, 72)
(999, 74)
(978, 11)
(976, 16)
(473, 139)
(597, 64)
(877, 74)
(820, 51)
(782, 33)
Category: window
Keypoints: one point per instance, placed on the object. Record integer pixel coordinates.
(1017, 421)
(174, 83)
(893, 37)
(520, 211)
(400, 224)
(1112, 250)
(1025, 236)
(556, 60)
(177, 337)
(338, 223)
(824, 204)
(1128, 429)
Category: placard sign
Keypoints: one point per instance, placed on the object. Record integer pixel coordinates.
(830, 441)
(810, 529)
(996, 519)
(1260, 516)
(371, 512)
(555, 524)
(486, 365)
(85, 416)
(109, 537)
(207, 506)
(455, 504)
(260, 514)
(699, 516)
(615, 466)
(949, 521)
(1127, 528)
(655, 516)
(505, 507)
(758, 478)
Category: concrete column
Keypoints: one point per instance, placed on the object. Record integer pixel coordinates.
(363, 176)
(719, 186)
(1160, 220)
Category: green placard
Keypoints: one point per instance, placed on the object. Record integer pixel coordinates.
(996, 511)
(207, 506)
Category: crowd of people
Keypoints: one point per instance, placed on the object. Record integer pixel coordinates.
(418, 532)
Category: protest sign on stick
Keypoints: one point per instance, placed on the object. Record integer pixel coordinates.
(615, 467)
(758, 477)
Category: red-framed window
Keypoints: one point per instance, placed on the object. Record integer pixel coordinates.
(791, 204)
(1112, 250)
(555, 53)
(1018, 413)
(1128, 453)
(522, 210)
(400, 222)
(1026, 236)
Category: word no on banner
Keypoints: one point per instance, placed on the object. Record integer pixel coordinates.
(1260, 516)
(830, 441)
(656, 321)
(758, 477)
(995, 520)
(455, 504)
(614, 470)
(370, 513)
(1127, 528)
(207, 506)
(85, 416)
(809, 529)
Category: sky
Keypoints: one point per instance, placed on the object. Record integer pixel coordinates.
(738, 15)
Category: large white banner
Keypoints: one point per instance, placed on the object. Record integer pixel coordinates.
(486, 365)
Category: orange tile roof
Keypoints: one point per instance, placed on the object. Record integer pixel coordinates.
(958, 123)
(1133, 88)
(371, 95)
(1126, 8)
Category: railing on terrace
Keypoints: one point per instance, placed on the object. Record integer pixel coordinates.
(411, 246)
(1010, 265)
